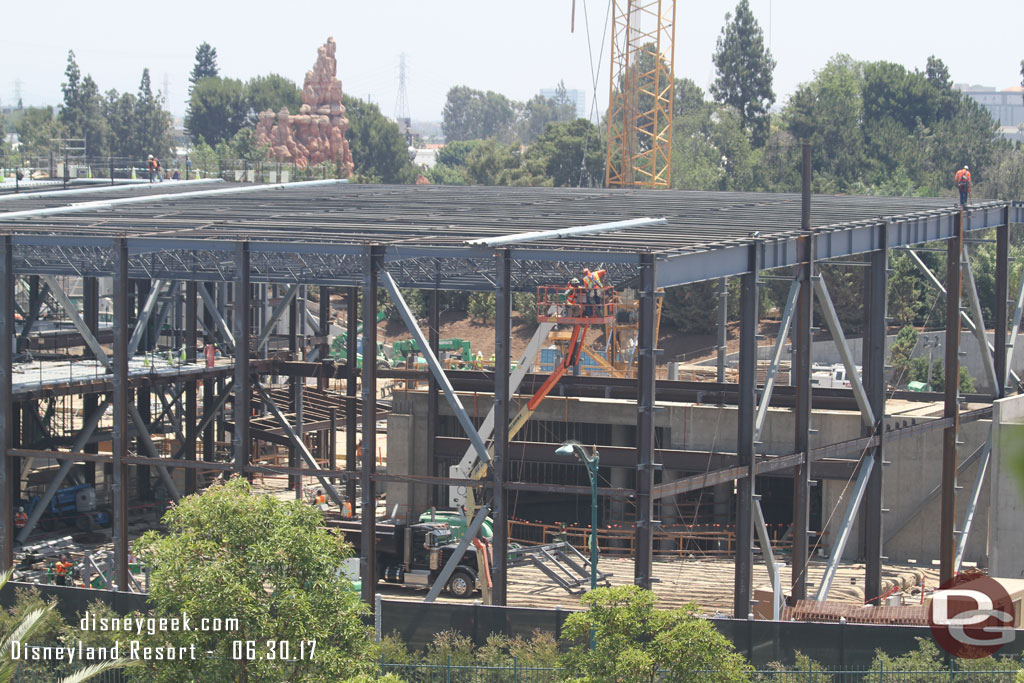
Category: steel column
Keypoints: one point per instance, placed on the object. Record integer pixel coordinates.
(7, 464)
(241, 443)
(972, 504)
(120, 401)
(646, 401)
(191, 393)
(351, 378)
(800, 378)
(1002, 359)
(723, 327)
(209, 386)
(434, 332)
(499, 467)
(873, 359)
(325, 330)
(372, 258)
(268, 327)
(91, 313)
(773, 368)
(950, 410)
(745, 487)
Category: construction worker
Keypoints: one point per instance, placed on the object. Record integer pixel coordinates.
(592, 281)
(62, 571)
(574, 296)
(319, 499)
(346, 509)
(963, 183)
(20, 518)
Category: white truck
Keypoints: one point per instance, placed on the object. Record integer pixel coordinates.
(830, 376)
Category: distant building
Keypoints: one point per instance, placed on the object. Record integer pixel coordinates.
(1005, 106)
(576, 96)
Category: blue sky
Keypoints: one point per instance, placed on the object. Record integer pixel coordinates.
(514, 48)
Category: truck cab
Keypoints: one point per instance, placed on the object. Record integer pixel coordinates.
(830, 376)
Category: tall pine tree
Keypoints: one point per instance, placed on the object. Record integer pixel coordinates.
(81, 113)
(205, 66)
(744, 67)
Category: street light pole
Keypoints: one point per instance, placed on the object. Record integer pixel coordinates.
(591, 463)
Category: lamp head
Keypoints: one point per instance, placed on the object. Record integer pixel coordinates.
(564, 449)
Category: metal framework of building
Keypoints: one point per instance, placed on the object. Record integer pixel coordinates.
(204, 247)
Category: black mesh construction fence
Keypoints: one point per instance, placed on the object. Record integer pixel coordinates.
(72, 601)
(831, 644)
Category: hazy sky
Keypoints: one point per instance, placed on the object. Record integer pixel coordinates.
(514, 47)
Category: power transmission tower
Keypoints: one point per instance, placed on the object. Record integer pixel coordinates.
(402, 101)
(641, 92)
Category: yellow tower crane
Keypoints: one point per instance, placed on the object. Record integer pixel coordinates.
(640, 94)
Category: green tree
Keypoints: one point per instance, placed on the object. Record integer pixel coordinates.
(271, 92)
(270, 564)
(205, 66)
(540, 112)
(36, 129)
(379, 150)
(217, 109)
(470, 114)
(744, 71)
(481, 306)
(633, 641)
(900, 354)
(153, 122)
(571, 154)
(120, 112)
(81, 113)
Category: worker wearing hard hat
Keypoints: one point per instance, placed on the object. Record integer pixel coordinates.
(963, 183)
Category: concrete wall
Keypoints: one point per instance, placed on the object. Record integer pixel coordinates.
(914, 470)
(1006, 526)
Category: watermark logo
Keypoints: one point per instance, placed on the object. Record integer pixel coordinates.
(971, 616)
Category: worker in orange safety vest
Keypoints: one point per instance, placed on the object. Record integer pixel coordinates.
(963, 183)
(592, 281)
(20, 518)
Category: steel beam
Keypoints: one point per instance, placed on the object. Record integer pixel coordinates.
(829, 311)
(146, 442)
(72, 312)
(836, 553)
(773, 367)
(223, 329)
(142, 322)
(300, 447)
(965, 318)
(722, 329)
(435, 366)
(745, 450)
(453, 561)
(951, 405)
(241, 443)
(596, 228)
(81, 439)
(275, 315)
(972, 504)
(434, 332)
(767, 553)
(120, 401)
(646, 349)
(979, 324)
(502, 396)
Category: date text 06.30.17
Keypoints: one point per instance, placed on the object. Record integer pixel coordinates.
(272, 649)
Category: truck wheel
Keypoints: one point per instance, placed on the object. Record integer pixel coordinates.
(462, 584)
(85, 523)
